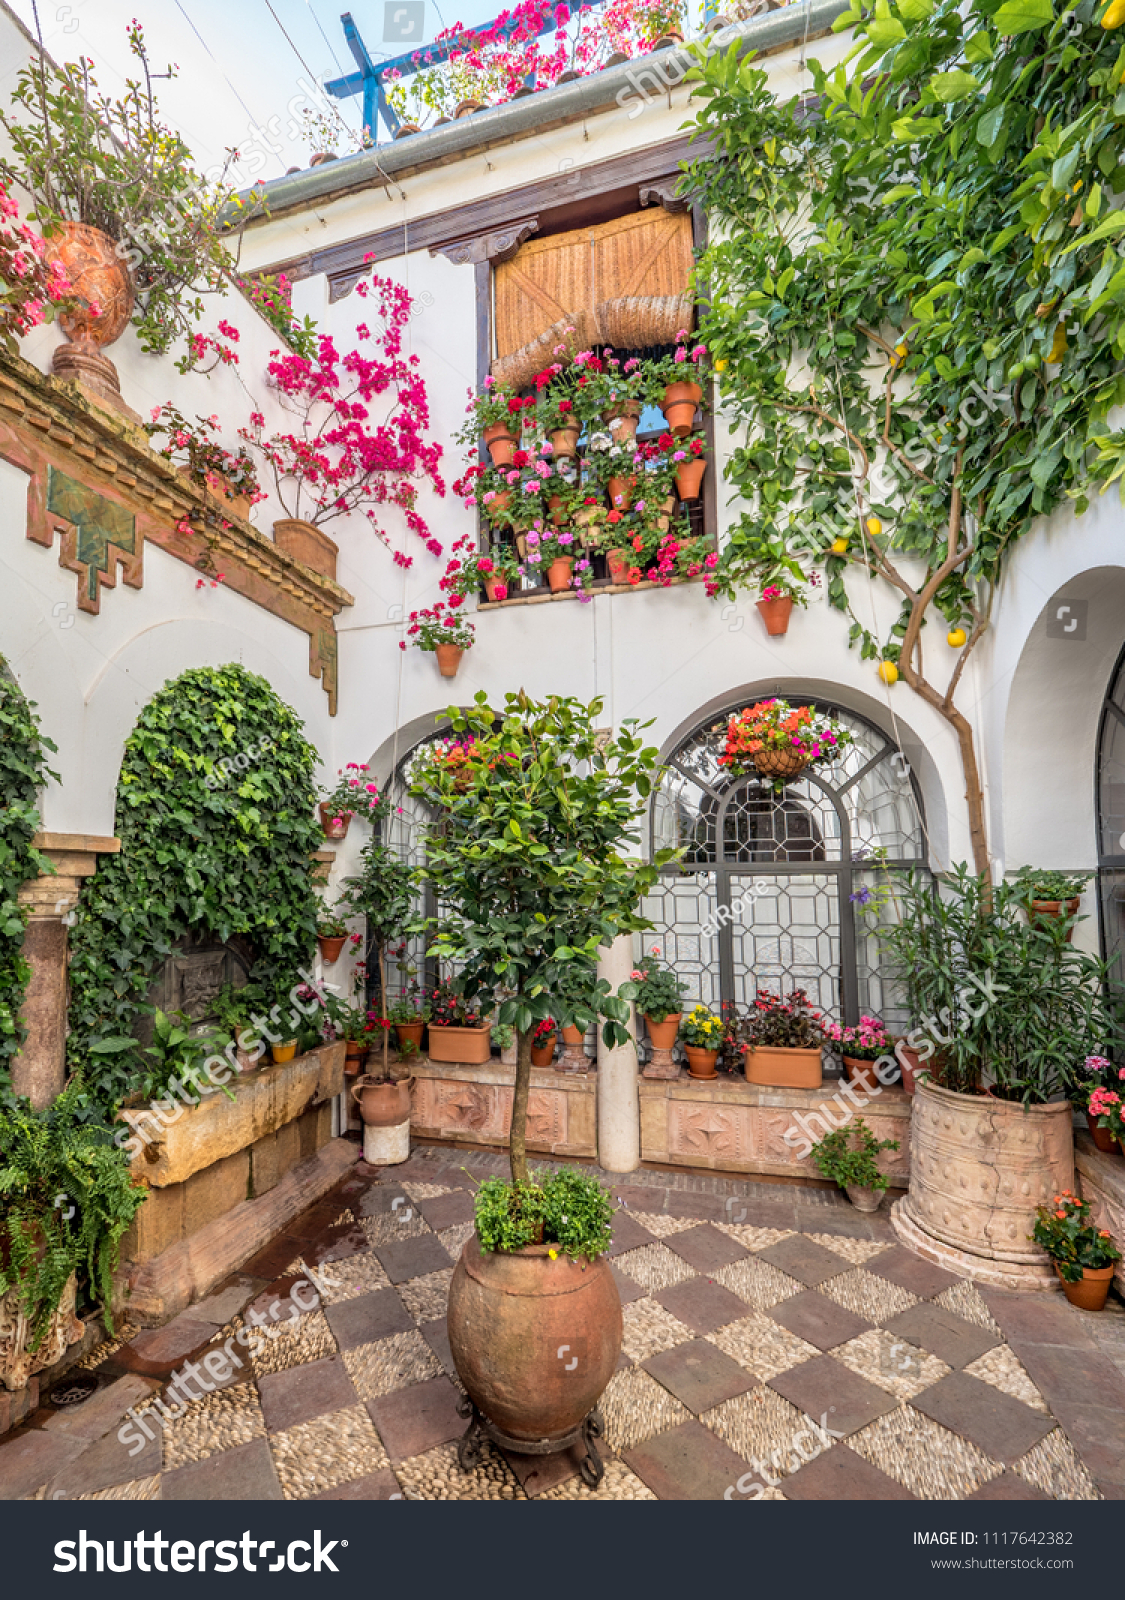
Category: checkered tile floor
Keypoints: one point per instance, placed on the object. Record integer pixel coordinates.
(776, 1346)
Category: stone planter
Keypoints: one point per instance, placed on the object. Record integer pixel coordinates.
(18, 1362)
(307, 544)
(979, 1169)
(864, 1199)
(784, 1068)
(471, 1046)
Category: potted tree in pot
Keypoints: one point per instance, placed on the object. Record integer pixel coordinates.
(528, 862)
(1083, 1256)
(783, 1040)
(382, 893)
(848, 1157)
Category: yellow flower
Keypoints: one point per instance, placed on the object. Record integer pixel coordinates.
(554, 1255)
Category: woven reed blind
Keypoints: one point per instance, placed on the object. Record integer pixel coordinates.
(622, 282)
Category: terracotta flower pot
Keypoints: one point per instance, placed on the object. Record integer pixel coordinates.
(1091, 1290)
(621, 491)
(775, 614)
(572, 1035)
(1052, 910)
(617, 565)
(465, 108)
(543, 1054)
(564, 441)
(246, 1060)
(499, 504)
(784, 1068)
(508, 1318)
(307, 544)
(556, 510)
(1102, 1137)
(492, 583)
(669, 40)
(662, 1035)
(100, 277)
(701, 1063)
(448, 659)
(405, 129)
(500, 444)
(864, 1199)
(409, 1033)
(862, 1074)
(679, 405)
(382, 1105)
(332, 828)
(283, 1052)
(560, 573)
(467, 1046)
(909, 1065)
(330, 947)
(689, 478)
(622, 418)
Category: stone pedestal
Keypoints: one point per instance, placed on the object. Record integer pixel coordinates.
(660, 1064)
(387, 1147)
(573, 1058)
(39, 1071)
(619, 1113)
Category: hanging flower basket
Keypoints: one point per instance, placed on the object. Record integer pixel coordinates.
(779, 741)
(780, 763)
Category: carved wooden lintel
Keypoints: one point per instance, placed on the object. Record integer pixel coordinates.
(663, 194)
(499, 245)
(341, 284)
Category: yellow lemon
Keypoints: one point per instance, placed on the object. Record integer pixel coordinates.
(1115, 15)
(722, 364)
(874, 527)
(956, 637)
(888, 672)
(903, 350)
(1058, 344)
(839, 547)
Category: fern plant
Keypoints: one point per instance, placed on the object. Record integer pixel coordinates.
(66, 1198)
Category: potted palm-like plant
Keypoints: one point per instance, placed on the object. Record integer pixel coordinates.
(530, 865)
(783, 1037)
(848, 1157)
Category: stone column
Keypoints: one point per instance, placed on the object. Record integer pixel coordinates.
(39, 1071)
(619, 1110)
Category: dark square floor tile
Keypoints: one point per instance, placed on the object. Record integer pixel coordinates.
(375, 1486)
(699, 1374)
(702, 1305)
(32, 1458)
(1034, 1318)
(818, 1320)
(337, 1244)
(537, 1474)
(824, 1386)
(950, 1338)
(108, 1462)
(839, 1474)
(404, 1259)
(810, 1263)
(910, 1272)
(105, 1408)
(708, 1207)
(228, 1298)
(628, 1234)
(1008, 1487)
(1004, 1428)
(368, 1317)
(380, 1199)
(626, 1287)
(447, 1210)
(411, 1421)
(706, 1249)
(757, 1213)
(157, 1352)
(686, 1463)
(302, 1393)
(244, 1473)
(1076, 1373)
(1098, 1434)
(633, 1197)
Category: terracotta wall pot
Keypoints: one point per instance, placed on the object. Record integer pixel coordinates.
(784, 1068)
(662, 1035)
(409, 1033)
(559, 573)
(466, 108)
(623, 418)
(405, 129)
(543, 1054)
(862, 1074)
(678, 406)
(509, 1315)
(470, 1046)
(319, 157)
(689, 479)
(330, 947)
(286, 1051)
(490, 586)
(1051, 910)
(564, 441)
(355, 1054)
(557, 511)
(499, 503)
(382, 1105)
(775, 614)
(332, 829)
(617, 565)
(779, 763)
(701, 1063)
(448, 659)
(500, 444)
(307, 544)
(864, 1199)
(621, 491)
(979, 1168)
(1091, 1290)
(573, 1035)
(1102, 1137)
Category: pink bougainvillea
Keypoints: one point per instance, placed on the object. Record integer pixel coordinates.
(360, 439)
(31, 288)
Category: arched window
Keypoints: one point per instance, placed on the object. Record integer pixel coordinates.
(1110, 801)
(780, 889)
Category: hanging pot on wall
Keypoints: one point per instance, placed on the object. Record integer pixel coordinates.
(330, 946)
(334, 828)
(500, 444)
(448, 659)
(1053, 911)
(559, 573)
(564, 441)
(622, 418)
(621, 491)
(617, 565)
(689, 478)
(679, 406)
(775, 614)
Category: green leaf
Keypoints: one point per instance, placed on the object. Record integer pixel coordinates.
(1023, 16)
(979, 46)
(949, 86)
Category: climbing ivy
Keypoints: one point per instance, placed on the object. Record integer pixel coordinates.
(215, 812)
(23, 771)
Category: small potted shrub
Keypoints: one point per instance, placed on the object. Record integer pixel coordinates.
(494, 415)
(233, 1013)
(701, 1034)
(1083, 1256)
(543, 1041)
(1105, 1116)
(459, 1030)
(409, 1017)
(659, 997)
(331, 935)
(1045, 894)
(860, 1047)
(504, 1038)
(784, 1036)
(847, 1157)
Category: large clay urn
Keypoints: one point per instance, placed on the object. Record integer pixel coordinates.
(101, 278)
(979, 1168)
(307, 543)
(382, 1105)
(534, 1340)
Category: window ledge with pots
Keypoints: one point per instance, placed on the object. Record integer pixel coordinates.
(538, 597)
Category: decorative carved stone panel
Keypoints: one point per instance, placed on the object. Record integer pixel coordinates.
(192, 978)
(467, 1106)
(708, 1132)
